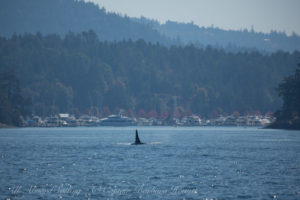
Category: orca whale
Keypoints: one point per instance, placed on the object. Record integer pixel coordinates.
(137, 139)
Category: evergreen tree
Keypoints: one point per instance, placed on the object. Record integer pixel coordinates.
(12, 104)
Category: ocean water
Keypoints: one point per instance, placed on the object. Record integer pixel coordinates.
(176, 163)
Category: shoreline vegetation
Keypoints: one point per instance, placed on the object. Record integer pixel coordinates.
(288, 116)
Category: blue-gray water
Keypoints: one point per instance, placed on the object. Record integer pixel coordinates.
(177, 163)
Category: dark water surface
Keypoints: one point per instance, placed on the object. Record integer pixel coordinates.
(177, 163)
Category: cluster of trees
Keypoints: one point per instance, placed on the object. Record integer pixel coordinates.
(288, 117)
(79, 73)
(12, 104)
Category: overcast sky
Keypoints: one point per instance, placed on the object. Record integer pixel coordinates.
(263, 15)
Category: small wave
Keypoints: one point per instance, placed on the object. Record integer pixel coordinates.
(155, 142)
(124, 143)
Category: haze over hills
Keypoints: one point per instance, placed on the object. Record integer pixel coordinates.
(62, 16)
(230, 40)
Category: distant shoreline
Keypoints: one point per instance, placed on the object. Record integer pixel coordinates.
(7, 126)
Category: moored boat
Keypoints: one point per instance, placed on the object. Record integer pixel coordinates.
(117, 120)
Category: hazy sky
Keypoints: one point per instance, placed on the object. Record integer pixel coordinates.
(263, 15)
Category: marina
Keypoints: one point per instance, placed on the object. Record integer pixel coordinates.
(66, 120)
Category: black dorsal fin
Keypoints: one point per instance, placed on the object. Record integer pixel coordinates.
(137, 139)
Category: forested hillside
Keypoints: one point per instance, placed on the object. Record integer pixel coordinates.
(78, 73)
(62, 16)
